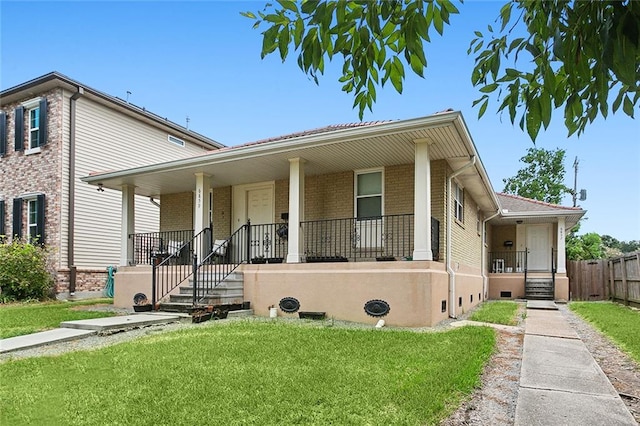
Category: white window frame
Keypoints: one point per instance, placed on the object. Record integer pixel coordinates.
(458, 202)
(357, 173)
(30, 105)
(32, 227)
(176, 141)
(33, 144)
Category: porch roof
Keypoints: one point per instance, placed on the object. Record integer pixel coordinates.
(516, 209)
(345, 148)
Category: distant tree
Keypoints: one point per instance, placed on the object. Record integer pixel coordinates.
(544, 56)
(613, 247)
(542, 177)
(584, 247)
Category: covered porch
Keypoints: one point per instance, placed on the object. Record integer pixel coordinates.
(372, 204)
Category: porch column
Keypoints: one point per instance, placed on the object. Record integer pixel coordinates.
(296, 209)
(128, 225)
(202, 220)
(422, 203)
(562, 257)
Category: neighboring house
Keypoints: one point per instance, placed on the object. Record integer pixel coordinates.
(54, 130)
(395, 219)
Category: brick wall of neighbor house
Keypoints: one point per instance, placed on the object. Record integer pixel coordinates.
(36, 173)
(176, 212)
(86, 279)
(222, 213)
(329, 196)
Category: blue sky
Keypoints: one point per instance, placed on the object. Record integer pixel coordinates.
(202, 60)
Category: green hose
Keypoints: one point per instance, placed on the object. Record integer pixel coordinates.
(108, 289)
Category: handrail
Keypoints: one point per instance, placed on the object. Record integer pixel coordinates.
(526, 261)
(553, 269)
(149, 244)
(171, 269)
(507, 261)
(224, 258)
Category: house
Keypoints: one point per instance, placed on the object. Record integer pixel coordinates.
(54, 130)
(387, 219)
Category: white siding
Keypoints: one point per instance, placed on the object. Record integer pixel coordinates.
(109, 140)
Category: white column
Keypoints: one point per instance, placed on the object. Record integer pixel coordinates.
(296, 209)
(422, 203)
(128, 225)
(201, 216)
(562, 257)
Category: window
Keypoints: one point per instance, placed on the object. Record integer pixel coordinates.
(369, 195)
(32, 220)
(458, 202)
(175, 140)
(34, 127)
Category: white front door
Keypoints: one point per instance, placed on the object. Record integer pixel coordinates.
(260, 212)
(539, 247)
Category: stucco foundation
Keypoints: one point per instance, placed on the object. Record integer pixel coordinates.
(514, 283)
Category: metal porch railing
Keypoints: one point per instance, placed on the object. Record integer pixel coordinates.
(157, 244)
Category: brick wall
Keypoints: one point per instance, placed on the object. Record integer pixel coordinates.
(222, 213)
(86, 280)
(329, 196)
(466, 240)
(282, 199)
(176, 211)
(398, 189)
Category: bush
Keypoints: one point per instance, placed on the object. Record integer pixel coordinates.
(23, 272)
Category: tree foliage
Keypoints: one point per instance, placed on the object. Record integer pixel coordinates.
(542, 177)
(614, 247)
(571, 55)
(584, 247)
(24, 273)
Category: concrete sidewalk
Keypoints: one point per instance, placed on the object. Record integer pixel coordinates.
(560, 382)
(71, 330)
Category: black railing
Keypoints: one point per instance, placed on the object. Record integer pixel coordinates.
(554, 261)
(222, 261)
(172, 268)
(158, 244)
(508, 261)
(350, 239)
(268, 243)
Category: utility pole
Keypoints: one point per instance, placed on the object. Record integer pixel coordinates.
(575, 181)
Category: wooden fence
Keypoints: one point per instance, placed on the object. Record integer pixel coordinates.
(617, 279)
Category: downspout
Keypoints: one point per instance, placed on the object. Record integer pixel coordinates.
(483, 265)
(72, 192)
(450, 271)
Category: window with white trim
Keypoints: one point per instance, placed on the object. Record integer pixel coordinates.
(34, 127)
(458, 202)
(369, 194)
(32, 219)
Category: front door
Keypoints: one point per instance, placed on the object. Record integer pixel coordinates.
(539, 247)
(260, 212)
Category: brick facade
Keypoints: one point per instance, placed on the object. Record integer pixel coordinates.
(176, 211)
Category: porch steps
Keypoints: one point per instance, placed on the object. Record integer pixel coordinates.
(230, 291)
(539, 289)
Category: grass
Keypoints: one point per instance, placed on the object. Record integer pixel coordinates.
(618, 322)
(497, 312)
(249, 372)
(17, 319)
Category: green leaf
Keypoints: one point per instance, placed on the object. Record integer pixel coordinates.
(489, 88)
(288, 4)
(627, 106)
(249, 15)
(505, 14)
(416, 65)
(283, 42)
(483, 108)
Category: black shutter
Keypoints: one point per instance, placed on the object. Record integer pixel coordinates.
(17, 217)
(40, 219)
(1, 219)
(3, 134)
(42, 134)
(19, 122)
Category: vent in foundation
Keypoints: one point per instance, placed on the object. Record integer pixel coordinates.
(459, 301)
(289, 304)
(376, 308)
(471, 298)
(479, 297)
(443, 306)
(505, 294)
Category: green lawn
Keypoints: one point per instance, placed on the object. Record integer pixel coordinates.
(249, 372)
(17, 319)
(497, 312)
(618, 322)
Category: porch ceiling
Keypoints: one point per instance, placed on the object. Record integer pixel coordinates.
(378, 145)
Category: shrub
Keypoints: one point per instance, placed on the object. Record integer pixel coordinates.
(23, 272)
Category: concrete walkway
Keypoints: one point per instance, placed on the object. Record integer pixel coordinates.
(560, 382)
(71, 330)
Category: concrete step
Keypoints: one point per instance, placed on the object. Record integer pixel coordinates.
(220, 288)
(188, 298)
(119, 323)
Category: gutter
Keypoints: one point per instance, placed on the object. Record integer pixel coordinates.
(72, 192)
(483, 257)
(450, 271)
